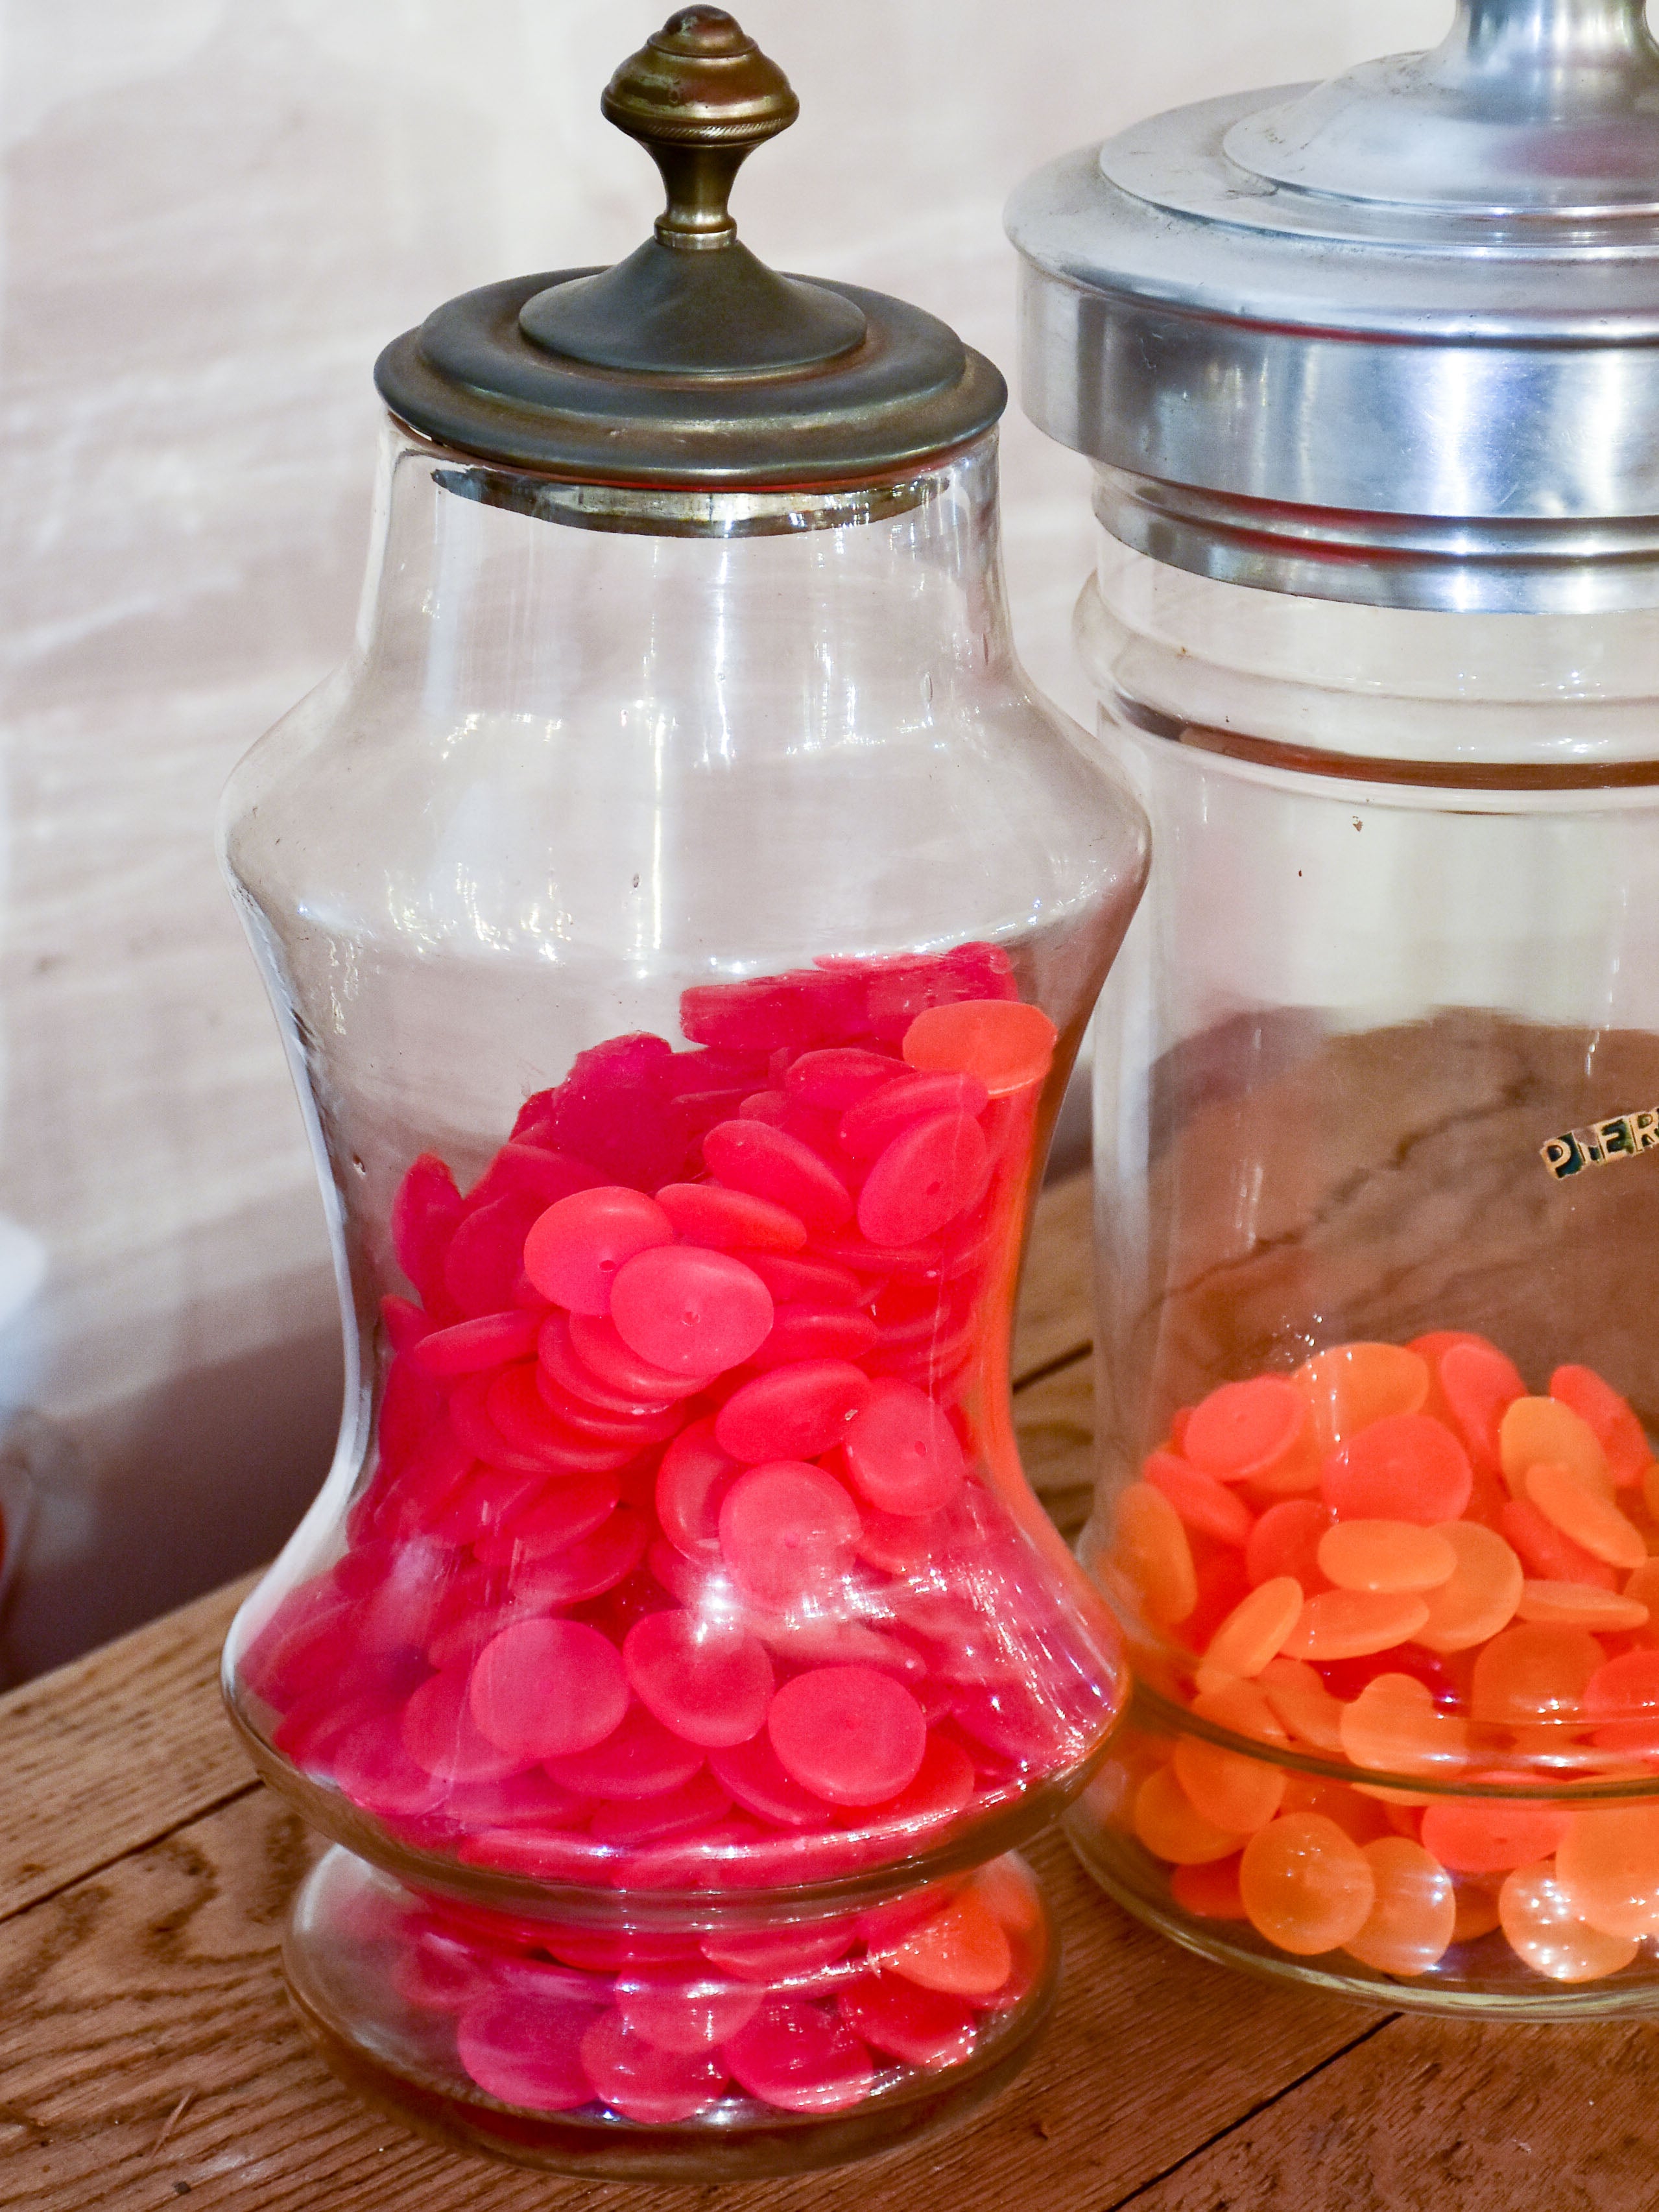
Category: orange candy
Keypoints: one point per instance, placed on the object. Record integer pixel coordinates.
(1285, 1541)
(1209, 1891)
(1249, 1430)
(1413, 1913)
(1203, 1502)
(1171, 1826)
(1545, 1551)
(1006, 1043)
(1478, 1385)
(1616, 1429)
(1385, 1555)
(1151, 1551)
(1306, 1885)
(1392, 1727)
(1545, 1929)
(1403, 1468)
(1607, 1863)
(1302, 1704)
(1482, 1594)
(1490, 1835)
(962, 1952)
(1252, 1633)
(1352, 1385)
(1534, 1430)
(1231, 1789)
(1532, 1673)
(1477, 1912)
(1361, 1819)
(1580, 1604)
(1586, 1515)
(1352, 1624)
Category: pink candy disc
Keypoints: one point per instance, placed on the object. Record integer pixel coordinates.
(709, 1682)
(472, 1345)
(567, 1380)
(573, 1252)
(616, 1366)
(686, 2016)
(485, 1255)
(526, 2051)
(794, 1412)
(788, 1527)
(902, 1452)
(809, 1283)
(585, 1569)
(942, 1788)
(704, 1213)
(691, 1484)
(930, 1172)
(544, 1689)
(561, 1513)
(838, 1076)
(440, 1735)
(867, 1130)
(751, 1772)
(800, 1332)
(801, 2057)
(850, 1734)
(687, 1812)
(920, 2027)
(515, 1404)
(530, 1799)
(755, 1157)
(645, 2082)
(575, 1419)
(688, 1310)
(639, 1759)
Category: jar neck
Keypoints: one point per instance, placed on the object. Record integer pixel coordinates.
(494, 592)
(1164, 645)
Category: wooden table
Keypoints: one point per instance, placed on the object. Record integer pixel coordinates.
(148, 2054)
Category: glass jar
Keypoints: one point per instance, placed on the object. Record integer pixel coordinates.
(1377, 1078)
(684, 917)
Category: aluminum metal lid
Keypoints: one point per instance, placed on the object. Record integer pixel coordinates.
(1392, 339)
(691, 364)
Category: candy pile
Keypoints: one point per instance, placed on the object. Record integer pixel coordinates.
(661, 2029)
(1399, 1560)
(694, 1552)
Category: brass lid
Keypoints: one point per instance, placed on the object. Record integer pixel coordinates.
(691, 364)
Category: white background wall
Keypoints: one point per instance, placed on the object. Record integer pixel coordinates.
(215, 213)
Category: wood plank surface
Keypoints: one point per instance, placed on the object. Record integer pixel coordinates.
(1054, 1419)
(114, 1749)
(1056, 1298)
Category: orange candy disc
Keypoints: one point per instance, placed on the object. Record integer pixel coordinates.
(1490, 1835)
(1303, 1703)
(1385, 1555)
(1546, 1554)
(1006, 1043)
(1394, 1727)
(1236, 1789)
(1587, 1515)
(1285, 1541)
(1545, 1929)
(1616, 1429)
(1477, 1912)
(1536, 1429)
(1580, 1604)
(1307, 1886)
(1607, 1863)
(1352, 1385)
(1532, 1673)
(1478, 1385)
(1172, 1828)
(1352, 1624)
(1203, 1503)
(1414, 1914)
(1151, 1551)
(1403, 1468)
(1482, 1594)
(1247, 1429)
(962, 1952)
(1209, 1891)
(1253, 1632)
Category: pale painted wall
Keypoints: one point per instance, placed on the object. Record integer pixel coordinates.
(215, 213)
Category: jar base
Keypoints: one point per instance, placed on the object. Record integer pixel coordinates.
(1130, 1877)
(390, 2004)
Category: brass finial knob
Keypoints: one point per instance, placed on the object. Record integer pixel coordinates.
(700, 96)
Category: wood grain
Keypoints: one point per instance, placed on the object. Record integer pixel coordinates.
(114, 1749)
(1055, 1421)
(1436, 2112)
(1054, 1317)
(158, 1977)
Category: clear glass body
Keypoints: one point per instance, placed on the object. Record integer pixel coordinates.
(684, 917)
(1375, 1379)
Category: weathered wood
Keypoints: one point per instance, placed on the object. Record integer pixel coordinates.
(115, 1749)
(1429, 2114)
(1055, 1315)
(157, 1980)
(1055, 1421)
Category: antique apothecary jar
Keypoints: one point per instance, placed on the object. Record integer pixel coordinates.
(1370, 376)
(684, 916)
